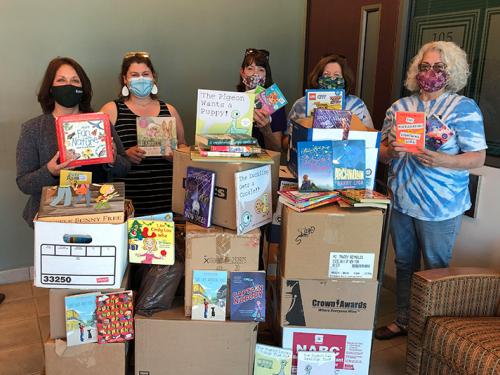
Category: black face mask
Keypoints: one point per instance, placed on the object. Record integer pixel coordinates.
(68, 96)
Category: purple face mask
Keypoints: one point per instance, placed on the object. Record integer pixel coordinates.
(431, 81)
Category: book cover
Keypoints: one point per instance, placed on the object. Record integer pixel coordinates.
(115, 317)
(327, 99)
(410, 130)
(85, 137)
(257, 91)
(253, 198)
(271, 360)
(71, 177)
(199, 196)
(437, 133)
(248, 296)
(272, 99)
(227, 140)
(315, 363)
(209, 295)
(151, 241)
(80, 313)
(157, 136)
(363, 195)
(332, 119)
(315, 166)
(349, 164)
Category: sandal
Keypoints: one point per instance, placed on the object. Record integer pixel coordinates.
(384, 333)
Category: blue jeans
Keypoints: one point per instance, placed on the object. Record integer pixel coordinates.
(413, 238)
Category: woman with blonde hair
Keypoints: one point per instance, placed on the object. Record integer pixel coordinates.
(430, 188)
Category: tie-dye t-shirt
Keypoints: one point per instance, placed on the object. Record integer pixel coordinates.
(435, 193)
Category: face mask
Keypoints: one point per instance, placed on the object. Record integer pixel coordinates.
(253, 81)
(331, 83)
(68, 96)
(140, 86)
(431, 81)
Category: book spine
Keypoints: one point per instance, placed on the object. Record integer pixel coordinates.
(241, 149)
(219, 154)
(231, 142)
(102, 218)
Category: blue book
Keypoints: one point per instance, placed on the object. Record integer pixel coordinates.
(327, 99)
(315, 166)
(248, 296)
(349, 164)
(199, 197)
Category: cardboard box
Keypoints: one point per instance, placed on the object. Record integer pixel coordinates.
(352, 347)
(170, 343)
(95, 359)
(98, 261)
(331, 242)
(224, 213)
(335, 304)
(220, 249)
(270, 257)
(286, 178)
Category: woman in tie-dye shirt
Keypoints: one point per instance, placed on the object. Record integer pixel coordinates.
(430, 188)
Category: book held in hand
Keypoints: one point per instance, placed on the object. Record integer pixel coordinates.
(80, 313)
(248, 296)
(157, 136)
(410, 130)
(271, 360)
(199, 196)
(437, 133)
(315, 166)
(272, 99)
(115, 317)
(327, 99)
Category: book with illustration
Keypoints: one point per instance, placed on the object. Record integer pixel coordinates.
(248, 296)
(199, 196)
(84, 138)
(437, 133)
(157, 136)
(410, 130)
(332, 119)
(315, 168)
(271, 99)
(365, 196)
(349, 164)
(227, 140)
(115, 317)
(209, 295)
(271, 360)
(315, 363)
(326, 99)
(80, 313)
(262, 158)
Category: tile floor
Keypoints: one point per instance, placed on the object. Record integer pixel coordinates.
(24, 323)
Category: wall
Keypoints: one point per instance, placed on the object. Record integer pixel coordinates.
(194, 44)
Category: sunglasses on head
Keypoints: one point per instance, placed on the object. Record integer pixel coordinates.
(437, 67)
(254, 51)
(129, 55)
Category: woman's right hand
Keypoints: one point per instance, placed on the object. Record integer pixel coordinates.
(135, 154)
(54, 167)
(396, 150)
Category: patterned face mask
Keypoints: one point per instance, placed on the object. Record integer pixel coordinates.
(331, 83)
(253, 81)
(431, 81)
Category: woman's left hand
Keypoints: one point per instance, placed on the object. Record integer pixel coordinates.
(261, 118)
(433, 159)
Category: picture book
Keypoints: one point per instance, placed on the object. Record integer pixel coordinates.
(115, 317)
(365, 196)
(346, 202)
(327, 99)
(315, 165)
(271, 360)
(227, 140)
(437, 133)
(80, 312)
(74, 177)
(332, 119)
(253, 198)
(209, 295)
(410, 130)
(301, 207)
(240, 149)
(262, 158)
(84, 138)
(272, 99)
(248, 296)
(199, 196)
(349, 163)
(315, 363)
(151, 241)
(257, 91)
(222, 154)
(157, 136)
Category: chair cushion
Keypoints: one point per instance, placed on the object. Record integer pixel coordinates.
(466, 345)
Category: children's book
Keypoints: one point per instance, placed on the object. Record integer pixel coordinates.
(272, 99)
(349, 163)
(253, 198)
(115, 317)
(199, 196)
(257, 91)
(81, 326)
(315, 363)
(315, 166)
(209, 295)
(327, 99)
(262, 158)
(271, 360)
(157, 135)
(240, 149)
(437, 133)
(248, 296)
(74, 177)
(85, 138)
(227, 140)
(365, 196)
(410, 130)
(332, 119)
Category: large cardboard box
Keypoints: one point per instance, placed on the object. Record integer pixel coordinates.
(331, 242)
(82, 256)
(224, 213)
(338, 304)
(219, 249)
(169, 343)
(95, 359)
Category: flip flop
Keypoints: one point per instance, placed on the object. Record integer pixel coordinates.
(384, 333)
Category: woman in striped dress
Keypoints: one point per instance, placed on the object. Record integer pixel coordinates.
(149, 182)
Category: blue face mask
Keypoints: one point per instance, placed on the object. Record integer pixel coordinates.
(141, 86)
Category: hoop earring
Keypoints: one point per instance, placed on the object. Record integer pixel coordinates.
(125, 91)
(154, 90)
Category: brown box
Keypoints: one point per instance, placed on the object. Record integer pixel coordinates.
(170, 343)
(224, 213)
(339, 304)
(95, 359)
(331, 242)
(219, 249)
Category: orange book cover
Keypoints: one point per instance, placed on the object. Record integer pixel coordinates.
(410, 130)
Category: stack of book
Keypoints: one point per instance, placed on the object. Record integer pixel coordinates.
(300, 202)
(364, 198)
(228, 145)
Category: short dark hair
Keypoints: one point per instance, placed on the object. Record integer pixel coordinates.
(260, 58)
(45, 97)
(138, 58)
(317, 71)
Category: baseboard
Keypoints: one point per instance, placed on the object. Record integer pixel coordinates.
(16, 275)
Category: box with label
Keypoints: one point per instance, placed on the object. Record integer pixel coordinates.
(340, 304)
(224, 211)
(81, 256)
(170, 343)
(218, 249)
(331, 242)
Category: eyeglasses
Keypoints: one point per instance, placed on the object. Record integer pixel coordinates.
(129, 55)
(437, 67)
(254, 51)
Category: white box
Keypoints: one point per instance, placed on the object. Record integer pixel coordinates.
(63, 262)
(351, 347)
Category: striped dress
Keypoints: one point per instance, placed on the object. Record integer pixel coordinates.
(149, 184)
